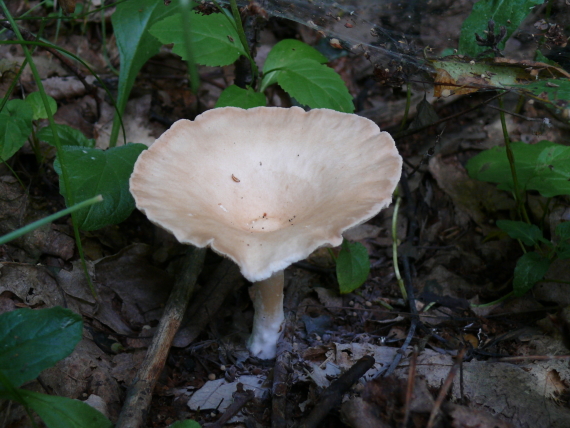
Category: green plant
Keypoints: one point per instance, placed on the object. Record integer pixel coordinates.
(543, 167)
(533, 265)
(30, 342)
(218, 40)
(352, 266)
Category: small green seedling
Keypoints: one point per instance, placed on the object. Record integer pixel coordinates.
(543, 167)
(533, 265)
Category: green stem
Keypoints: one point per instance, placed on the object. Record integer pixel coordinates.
(243, 39)
(32, 226)
(484, 305)
(69, 199)
(557, 281)
(14, 394)
(395, 248)
(193, 75)
(407, 110)
(510, 156)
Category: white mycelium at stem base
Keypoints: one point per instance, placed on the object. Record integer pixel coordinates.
(266, 187)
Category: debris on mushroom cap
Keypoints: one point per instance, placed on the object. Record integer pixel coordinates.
(266, 186)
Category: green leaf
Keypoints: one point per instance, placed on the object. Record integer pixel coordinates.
(289, 51)
(234, 96)
(555, 92)
(68, 136)
(215, 41)
(188, 423)
(131, 23)
(563, 230)
(508, 13)
(31, 341)
(352, 266)
(93, 172)
(61, 412)
(530, 269)
(544, 167)
(315, 85)
(563, 250)
(15, 127)
(529, 234)
(284, 55)
(36, 103)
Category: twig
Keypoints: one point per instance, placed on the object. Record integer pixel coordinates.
(409, 132)
(445, 388)
(208, 302)
(333, 395)
(283, 361)
(240, 399)
(139, 396)
(279, 390)
(410, 387)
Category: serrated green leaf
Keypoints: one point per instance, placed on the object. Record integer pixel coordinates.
(15, 127)
(509, 13)
(96, 172)
(315, 85)
(234, 96)
(352, 266)
(289, 51)
(62, 412)
(36, 103)
(215, 40)
(530, 269)
(284, 55)
(563, 230)
(529, 234)
(31, 341)
(188, 423)
(68, 136)
(544, 167)
(131, 23)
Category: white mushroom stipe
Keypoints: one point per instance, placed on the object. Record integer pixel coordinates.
(267, 297)
(266, 187)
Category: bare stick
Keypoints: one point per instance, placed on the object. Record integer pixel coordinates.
(445, 388)
(135, 409)
(333, 395)
(240, 399)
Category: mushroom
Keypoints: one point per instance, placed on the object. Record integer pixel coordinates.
(266, 187)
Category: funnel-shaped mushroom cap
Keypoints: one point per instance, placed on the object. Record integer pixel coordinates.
(266, 186)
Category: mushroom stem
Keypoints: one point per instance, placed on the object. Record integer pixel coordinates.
(267, 296)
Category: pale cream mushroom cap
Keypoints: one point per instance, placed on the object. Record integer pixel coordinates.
(266, 186)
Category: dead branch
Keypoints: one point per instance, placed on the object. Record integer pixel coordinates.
(135, 408)
(333, 395)
(241, 397)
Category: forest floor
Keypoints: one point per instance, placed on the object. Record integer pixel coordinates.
(497, 365)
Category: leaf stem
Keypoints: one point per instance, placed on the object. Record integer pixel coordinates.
(395, 248)
(407, 110)
(494, 302)
(69, 199)
(243, 39)
(193, 75)
(510, 156)
(32, 226)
